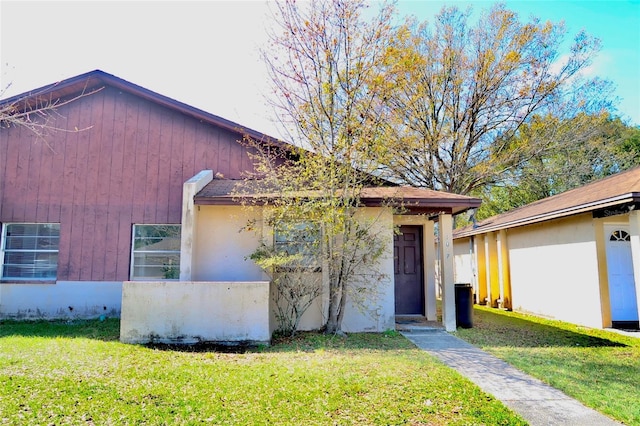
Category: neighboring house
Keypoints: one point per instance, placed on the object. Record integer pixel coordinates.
(574, 256)
(131, 202)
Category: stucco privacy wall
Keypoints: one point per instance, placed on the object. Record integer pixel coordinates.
(189, 312)
(64, 299)
(554, 270)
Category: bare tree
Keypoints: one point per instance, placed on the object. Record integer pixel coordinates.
(324, 62)
(37, 112)
(463, 90)
(291, 262)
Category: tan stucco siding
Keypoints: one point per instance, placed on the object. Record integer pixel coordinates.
(221, 247)
(481, 281)
(504, 271)
(378, 313)
(312, 318)
(554, 270)
(493, 269)
(603, 279)
(463, 261)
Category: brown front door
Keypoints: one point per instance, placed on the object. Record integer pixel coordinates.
(409, 285)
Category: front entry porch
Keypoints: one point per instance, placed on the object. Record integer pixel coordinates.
(417, 323)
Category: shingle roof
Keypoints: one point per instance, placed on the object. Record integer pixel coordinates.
(622, 188)
(416, 200)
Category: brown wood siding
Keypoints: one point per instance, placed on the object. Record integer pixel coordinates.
(127, 168)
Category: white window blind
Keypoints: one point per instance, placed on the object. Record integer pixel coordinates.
(30, 251)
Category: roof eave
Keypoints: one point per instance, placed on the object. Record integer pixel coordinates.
(426, 206)
(90, 79)
(220, 201)
(570, 211)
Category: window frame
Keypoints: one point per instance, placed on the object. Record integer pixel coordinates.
(135, 251)
(619, 235)
(310, 261)
(3, 253)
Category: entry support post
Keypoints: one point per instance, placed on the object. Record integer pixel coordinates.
(487, 268)
(634, 231)
(429, 254)
(504, 269)
(445, 229)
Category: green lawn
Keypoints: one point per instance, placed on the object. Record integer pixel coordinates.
(78, 373)
(599, 368)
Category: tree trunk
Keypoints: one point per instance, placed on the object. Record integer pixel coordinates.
(334, 320)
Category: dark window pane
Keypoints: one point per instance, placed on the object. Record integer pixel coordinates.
(299, 239)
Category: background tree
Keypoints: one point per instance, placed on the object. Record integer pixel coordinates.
(324, 62)
(464, 90)
(629, 148)
(578, 151)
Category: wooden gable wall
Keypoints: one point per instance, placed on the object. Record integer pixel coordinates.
(128, 168)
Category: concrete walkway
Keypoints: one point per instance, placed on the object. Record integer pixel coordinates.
(536, 402)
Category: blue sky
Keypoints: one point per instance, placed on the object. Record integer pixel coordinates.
(616, 23)
(205, 53)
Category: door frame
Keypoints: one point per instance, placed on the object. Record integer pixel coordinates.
(419, 281)
(609, 227)
(429, 259)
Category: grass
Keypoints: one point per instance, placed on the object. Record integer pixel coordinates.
(597, 367)
(78, 373)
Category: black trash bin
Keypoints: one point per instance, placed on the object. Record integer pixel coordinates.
(464, 305)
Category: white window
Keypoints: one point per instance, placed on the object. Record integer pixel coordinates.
(156, 252)
(30, 251)
(301, 239)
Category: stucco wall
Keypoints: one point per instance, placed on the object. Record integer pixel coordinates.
(312, 319)
(463, 261)
(379, 313)
(554, 270)
(221, 247)
(64, 299)
(189, 312)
